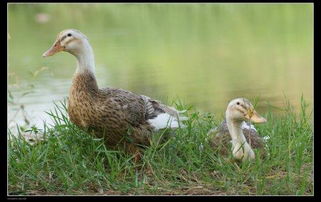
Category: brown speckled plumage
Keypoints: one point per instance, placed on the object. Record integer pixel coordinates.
(115, 114)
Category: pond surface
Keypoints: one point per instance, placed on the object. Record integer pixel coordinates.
(201, 54)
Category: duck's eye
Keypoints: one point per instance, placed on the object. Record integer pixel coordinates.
(69, 34)
(238, 103)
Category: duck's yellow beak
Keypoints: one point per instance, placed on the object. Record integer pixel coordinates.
(55, 48)
(254, 117)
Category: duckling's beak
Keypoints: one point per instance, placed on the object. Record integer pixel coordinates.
(55, 48)
(254, 117)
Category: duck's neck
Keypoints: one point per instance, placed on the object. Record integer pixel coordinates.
(85, 59)
(84, 78)
(235, 130)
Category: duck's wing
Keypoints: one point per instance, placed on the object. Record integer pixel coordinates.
(252, 136)
(141, 109)
(219, 130)
(219, 138)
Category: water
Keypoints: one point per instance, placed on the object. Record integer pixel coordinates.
(202, 54)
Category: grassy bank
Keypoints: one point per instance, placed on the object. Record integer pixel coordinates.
(69, 161)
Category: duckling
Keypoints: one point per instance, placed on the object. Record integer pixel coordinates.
(124, 119)
(237, 130)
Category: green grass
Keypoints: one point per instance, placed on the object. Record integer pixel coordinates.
(69, 161)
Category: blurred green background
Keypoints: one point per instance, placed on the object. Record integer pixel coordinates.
(202, 54)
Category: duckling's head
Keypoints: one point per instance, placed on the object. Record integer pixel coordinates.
(69, 40)
(241, 109)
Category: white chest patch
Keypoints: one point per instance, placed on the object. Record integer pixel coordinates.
(247, 126)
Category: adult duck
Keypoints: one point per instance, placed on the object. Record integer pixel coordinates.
(124, 119)
(238, 130)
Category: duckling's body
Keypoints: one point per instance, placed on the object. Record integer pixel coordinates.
(124, 119)
(220, 138)
(236, 130)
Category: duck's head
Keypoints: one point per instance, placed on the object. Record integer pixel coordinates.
(241, 109)
(70, 40)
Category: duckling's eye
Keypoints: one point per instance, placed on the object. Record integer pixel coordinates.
(69, 34)
(238, 103)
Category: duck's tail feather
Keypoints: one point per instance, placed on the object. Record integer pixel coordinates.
(161, 116)
(166, 120)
